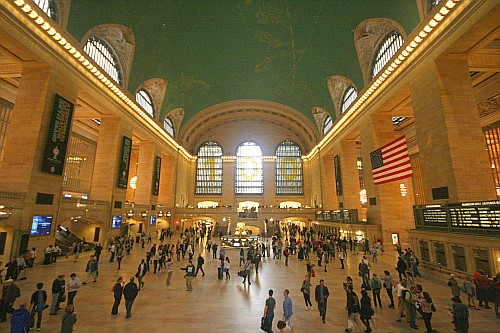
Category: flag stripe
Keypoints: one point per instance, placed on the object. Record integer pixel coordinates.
(391, 162)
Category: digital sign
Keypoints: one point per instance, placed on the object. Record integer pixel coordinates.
(117, 222)
(41, 225)
(152, 220)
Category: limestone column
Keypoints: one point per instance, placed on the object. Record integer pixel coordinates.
(228, 169)
(132, 171)
(328, 186)
(350, 175)
(167, 181)
(450, 140)
(269, 169)
(145, 169)
(385, 204)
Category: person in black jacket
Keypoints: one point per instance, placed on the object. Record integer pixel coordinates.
(130, 292)
(9, 294)
(199, 265)
(366, 310)
(117, 293)
(57, 292)
(321, 295)
(37, 305)
(352, 309)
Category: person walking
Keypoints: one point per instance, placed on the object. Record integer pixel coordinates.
(227, 266)
(287, 308)
(388, 284)
(20, 320)
(9, 294)
(269, 312)
(470, 290)
(376, 286)
(57, 292)
(453, 284)
(73, 285)
(353, 309)
(141, 271)
(306, 292)
(341, 258)
(366, 310)
(427, 309)
(117, 293)
(246, 272)
(242, 256)
(199, 265)
(410, 298)
(37, 305)
(91, 269)
(169, 271)
(189, 275)
(130, 292)
(68, 319)
(119, 257)
(321, 295)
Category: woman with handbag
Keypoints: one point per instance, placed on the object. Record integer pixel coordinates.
(427, 309)
(306, 292)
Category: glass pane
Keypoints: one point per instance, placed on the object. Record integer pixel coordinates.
(424, 250)
(209, 169)
(144, 100)
(169, 126)
(393, 41)
(101, 53)
(249, 175)
(327, 125)
(440, 254)
(289, 176)
(459, 258)
(350, 96)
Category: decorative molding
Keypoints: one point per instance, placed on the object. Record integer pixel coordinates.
(489, 106)
(156, 88)
(337, 86)
(367, 37)
(122, 40)
(176, 115)
(319, 115)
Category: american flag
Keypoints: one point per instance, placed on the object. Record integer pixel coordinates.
(391, 162)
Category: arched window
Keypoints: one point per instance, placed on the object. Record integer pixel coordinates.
(289, 176)
(249, 176)
(142, 97)
(168, 125)
(102, 54)
(388, 48)
(350, 96)
(327, 124)
(209, 169)
(48, 8)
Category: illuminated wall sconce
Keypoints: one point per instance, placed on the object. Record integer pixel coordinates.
(160, 214)
(144, 213)
(133, 182)
(129, 214)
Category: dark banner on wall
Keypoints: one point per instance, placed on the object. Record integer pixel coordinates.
(124, 162)
(338, 174)
(57, 139)
(156, 176)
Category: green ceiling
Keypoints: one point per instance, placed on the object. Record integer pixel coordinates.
(212, 51)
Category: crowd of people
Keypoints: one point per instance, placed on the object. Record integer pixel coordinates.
(405, 294)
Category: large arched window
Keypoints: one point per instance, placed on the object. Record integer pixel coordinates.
(289, 177)
(102, 54)
(48, 8)
(327, 124)
(249, 176)
(350, 96)
(168, 125)
(209, 169)
(144, 99)
(387, 49)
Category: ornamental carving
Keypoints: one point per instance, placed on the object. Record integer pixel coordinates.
(156, 88)
(319, 115)
(489, 106)
(337, 86)
(367, 37)
(176, 115)
(122, 40)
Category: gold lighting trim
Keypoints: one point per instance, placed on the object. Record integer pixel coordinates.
(390, 70)
(88, 65)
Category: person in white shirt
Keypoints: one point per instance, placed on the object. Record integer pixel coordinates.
(400, 288)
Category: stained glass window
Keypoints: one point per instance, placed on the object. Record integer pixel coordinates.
(209, 169)
(169, 126)
(102, 54)
(249, 176)
(350, 96)
(142, 97)
(327, 124)
(289, 176)
(389, 47)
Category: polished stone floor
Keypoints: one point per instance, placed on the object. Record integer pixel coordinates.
(228, 305)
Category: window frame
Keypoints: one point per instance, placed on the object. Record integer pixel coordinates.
(290, 154)
(252, 186)
(212, 168)
(327, 124)
(349, 96)
(48, 7)
(109, 62)
(386, 50)
(170, 129)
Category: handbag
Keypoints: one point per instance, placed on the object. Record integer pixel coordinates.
(62, 298)
(313, 274)
(263, 324)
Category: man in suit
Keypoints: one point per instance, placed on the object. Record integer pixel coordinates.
(321, 294)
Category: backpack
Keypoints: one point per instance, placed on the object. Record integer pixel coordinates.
(376, 284)
(406, 295)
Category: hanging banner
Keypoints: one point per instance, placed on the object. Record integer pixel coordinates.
(124, 162)
(338, 175)
(156, 176)
(57, 139)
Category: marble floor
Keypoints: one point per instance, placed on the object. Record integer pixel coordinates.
(228, 305)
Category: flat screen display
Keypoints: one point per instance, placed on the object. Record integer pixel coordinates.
(152, 219)
(117, 222)
(41, 225)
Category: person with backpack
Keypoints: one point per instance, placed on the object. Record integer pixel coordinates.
(353, 309)
(376, 286)
(130, 292)
(410, 298)
(37, 305)
(199, 265)
(388, 287)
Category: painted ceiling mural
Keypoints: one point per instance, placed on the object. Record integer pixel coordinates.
(213, 51)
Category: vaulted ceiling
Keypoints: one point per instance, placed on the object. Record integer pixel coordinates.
(214, 51)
